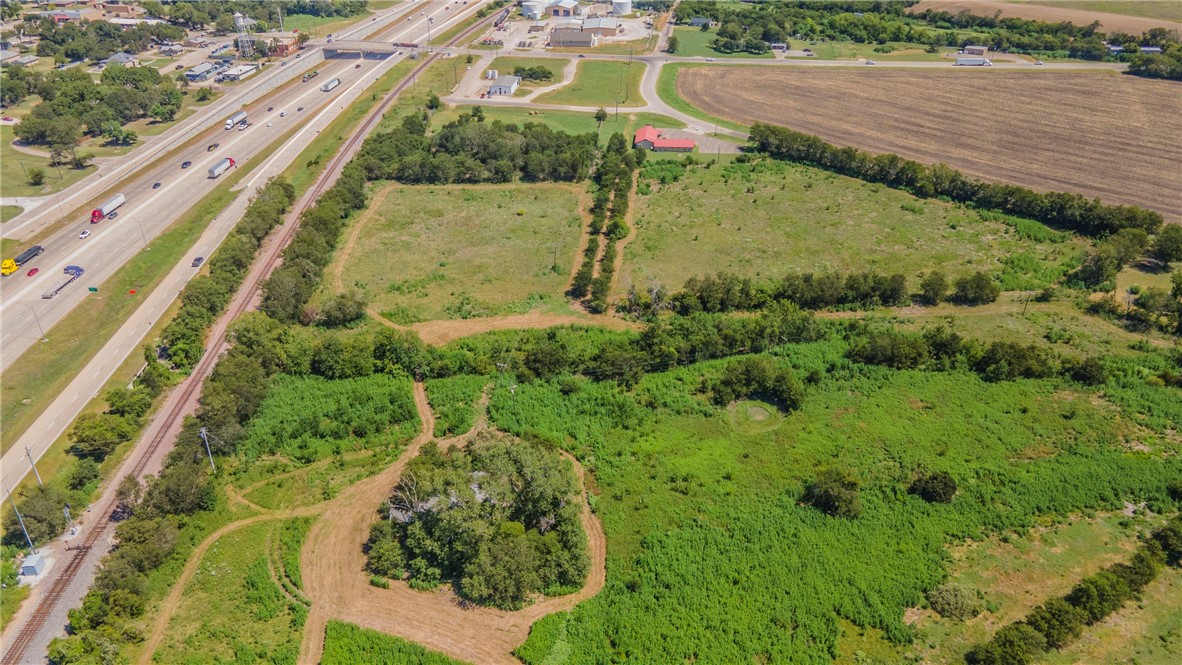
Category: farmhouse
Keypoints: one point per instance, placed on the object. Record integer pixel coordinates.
(975, 50)
(649, 138)
(504, 85)
(573, 37)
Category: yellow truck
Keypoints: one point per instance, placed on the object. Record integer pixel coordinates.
(10, 266)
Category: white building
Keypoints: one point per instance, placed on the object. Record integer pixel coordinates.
(621, 7)
(505, 85)
(240, 72)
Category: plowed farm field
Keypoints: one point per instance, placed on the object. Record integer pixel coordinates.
(1097, 133)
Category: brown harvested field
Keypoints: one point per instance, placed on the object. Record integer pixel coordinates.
(1097, 133)
(1109, 22)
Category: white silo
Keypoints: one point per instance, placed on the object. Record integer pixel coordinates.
(621, 7)
(533, 9)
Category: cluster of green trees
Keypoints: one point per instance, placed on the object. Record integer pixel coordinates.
(1058, 209)
(207, 295)
(469, 150)
(535, 73)
(73, 103)
(1099, 269)
(612, 185)
(1059, 621)
(498, 519)
(1164, 65)
(759, 378)
(942, 349)
(1145, 309)
(198, 14)
(95, 40)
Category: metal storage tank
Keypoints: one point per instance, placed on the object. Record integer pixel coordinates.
(621, 7)
(533, 9)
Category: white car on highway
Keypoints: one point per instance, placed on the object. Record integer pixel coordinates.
(84, 235)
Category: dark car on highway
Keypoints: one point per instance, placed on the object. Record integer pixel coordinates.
(212, 147)
(185, 165)
(198, 261)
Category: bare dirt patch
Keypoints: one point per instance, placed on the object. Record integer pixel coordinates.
(1097, 133)
(1109, 22)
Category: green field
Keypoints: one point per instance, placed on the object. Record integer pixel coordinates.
(854, 51)
(9, 212)
(600, 83)
(347, 644)
(462, 252)
(506, 65)
(15, 165)
(1163, 9)
(770, 217)
(692, 42)
(705, 525)
(571, 122)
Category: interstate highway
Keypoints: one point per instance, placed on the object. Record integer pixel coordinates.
(149, 212)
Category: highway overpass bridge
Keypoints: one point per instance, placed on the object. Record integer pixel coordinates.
(365, 47)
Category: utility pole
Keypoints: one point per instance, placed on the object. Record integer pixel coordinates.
(38, 320)
(32, 549)
(34, 465)
(205, 440)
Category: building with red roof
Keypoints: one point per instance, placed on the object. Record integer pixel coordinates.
(649, 138)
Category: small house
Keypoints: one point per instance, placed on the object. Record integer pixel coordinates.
(8, 56)
(122, 58)
(25, 60)
(504, 85)
(699, 21)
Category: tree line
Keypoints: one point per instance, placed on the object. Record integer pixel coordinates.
(197, 14)
(497, 519)
(73, 104)
(1059, 621)
(206, 296)
(1057, 209)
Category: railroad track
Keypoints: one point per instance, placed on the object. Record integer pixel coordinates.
(75, 556)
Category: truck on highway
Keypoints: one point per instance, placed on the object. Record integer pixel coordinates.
(311, 75)
(10, 266)
(235, 119)
(104, 211)
(71, 273)
(974, 62)
(221, 167)
(330, 85)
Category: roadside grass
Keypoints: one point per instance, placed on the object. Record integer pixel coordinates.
(636, 47)
(441, 39)
(317, 26)
(233, 609)
(10, 601)
(1017, 573)
(765, 218)
(318, 483)
(667, 91)
(7, 213)
(506, 65)
(436, 252)
(571, 122)
(347, 644)
(847, 50)
(692, 42)
(15, 167)
(600, 83)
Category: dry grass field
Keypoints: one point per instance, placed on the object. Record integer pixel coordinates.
(1096, 133)
(1131, 16)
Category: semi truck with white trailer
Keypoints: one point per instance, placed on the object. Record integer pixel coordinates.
(973, 62)
(330, 85)
(235, 119)
(12, 265)
(104, 211)
(221, 167)
(71, 273)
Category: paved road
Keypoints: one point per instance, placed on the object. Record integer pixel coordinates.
(54, 420)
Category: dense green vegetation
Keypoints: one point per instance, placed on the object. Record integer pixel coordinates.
(498, 520)
(346, 644)
(220, 13)
(453, 402)
(95, 40)
(205, 296)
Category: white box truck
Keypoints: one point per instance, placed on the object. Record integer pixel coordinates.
(973, 62)
(330, 85)
(104, 211)
(235, 119)
(221, 167)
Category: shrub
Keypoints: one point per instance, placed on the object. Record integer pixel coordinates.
(976, 289)
(938, 487)
(834, 492)
(1057, 621)
(953, 601)
(1016, 644)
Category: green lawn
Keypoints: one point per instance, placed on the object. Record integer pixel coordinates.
(432, 253)
(631, 47)
(773, 217)
(692, 42)
(506, 65)
(571, 122)
(7, 213)
(15, 166)
(853, 51)
(600, 83)
(318, 26)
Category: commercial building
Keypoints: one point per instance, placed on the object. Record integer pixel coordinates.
(602, 26)
(200, 72)
(240, 72)
(504, 85)
(649, 138)
(573, 37)
(975, 50)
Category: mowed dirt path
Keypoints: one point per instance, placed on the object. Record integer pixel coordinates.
(1109, 22)
(1099, 134)
(332, 567)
